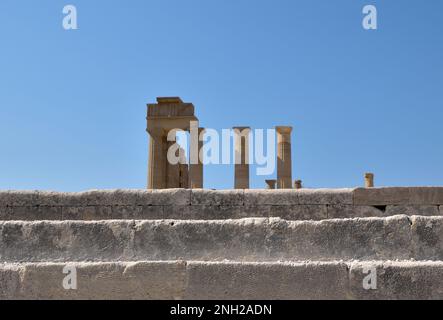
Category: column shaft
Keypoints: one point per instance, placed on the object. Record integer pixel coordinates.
(173, 170)
(369, 180)
(196, 169)
(284, 155)
(241, 157)
(157, 161)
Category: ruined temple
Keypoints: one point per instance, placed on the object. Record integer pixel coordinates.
(177, 240)
(171, 114)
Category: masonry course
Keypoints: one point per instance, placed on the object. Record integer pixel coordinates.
(251, 239)
(208, 204)
(196, 280)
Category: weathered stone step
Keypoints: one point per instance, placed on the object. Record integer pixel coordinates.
(398, 237)
(223, 280)
(183, 204)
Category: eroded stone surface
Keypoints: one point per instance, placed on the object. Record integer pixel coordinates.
(9, 282)
(413, 210)
(194, 280)
(399, 196)
(95, 198)
(225, 198)
(340, 211)
(251, 239)
(104, 281)
(200, 244)
(298, 197)
(397, 280)
(304, 204)
(215, 281)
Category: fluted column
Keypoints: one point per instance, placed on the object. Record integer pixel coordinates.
(284, 157)
(157, 160)
(173, 170)
(241, 157)
(196, 168)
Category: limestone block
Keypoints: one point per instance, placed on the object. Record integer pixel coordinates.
(427, 236)
(289, 212)
(349, 211)
(34, 213)
(402, 280)
(96, 198)
(9, 282)
(135, 197)
(90, 213)
(350, 239)
(262, 281)
(411, 210)
(78, 213)
(325, 196)
(65, 241)
(426, 196)
(217, 198)
(275, 240)
(294, 197)
(209, 212)
(17, 198)
(271, 197)
(106, 281)
(136, 212)
(5, 213)
(109, 198)
(399, 196)
(201, 240)
(179, 212)
(381, 196)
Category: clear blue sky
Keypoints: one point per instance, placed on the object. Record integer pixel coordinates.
(72, 103)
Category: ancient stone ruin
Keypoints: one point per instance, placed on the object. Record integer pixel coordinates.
(176, 240)
(171, 114)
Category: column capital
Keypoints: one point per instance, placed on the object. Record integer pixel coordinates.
(241, 129)
(156, 132)
(283, 129)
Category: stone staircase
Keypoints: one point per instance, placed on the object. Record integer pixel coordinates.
(201, 244)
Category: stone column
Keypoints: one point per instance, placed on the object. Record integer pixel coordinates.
(172, 170)
(241, 157)
(369, 180)
(271, 184)
(196, 170)
(157, 160)
(284, 161)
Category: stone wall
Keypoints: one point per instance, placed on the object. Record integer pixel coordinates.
(183, 204)
(233, 244)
